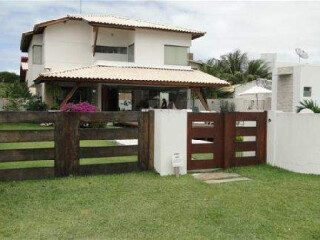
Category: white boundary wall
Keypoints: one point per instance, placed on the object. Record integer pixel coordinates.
(294, 141)
(170, 136)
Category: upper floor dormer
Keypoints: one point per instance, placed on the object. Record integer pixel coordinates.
(82, 40)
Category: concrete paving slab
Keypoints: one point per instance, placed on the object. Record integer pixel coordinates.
(214, 175)
(217, 181)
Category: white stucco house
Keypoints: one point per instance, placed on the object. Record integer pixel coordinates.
(293, 83)
(97, 57)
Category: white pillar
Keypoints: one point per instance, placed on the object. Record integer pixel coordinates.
(170, 136)
(274, 98)
(271, 137)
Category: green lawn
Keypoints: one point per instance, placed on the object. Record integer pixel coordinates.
(275, 205)
(50, 163)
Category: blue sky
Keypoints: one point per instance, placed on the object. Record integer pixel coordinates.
(254, 27)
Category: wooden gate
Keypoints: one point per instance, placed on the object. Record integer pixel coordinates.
(223, 140)
(205, 140)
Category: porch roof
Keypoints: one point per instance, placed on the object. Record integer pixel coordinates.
(134, 76)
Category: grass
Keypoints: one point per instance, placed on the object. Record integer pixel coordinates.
(275, 205)
(50, 163)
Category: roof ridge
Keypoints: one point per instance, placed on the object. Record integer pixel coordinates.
(147, 67)
(133, 19)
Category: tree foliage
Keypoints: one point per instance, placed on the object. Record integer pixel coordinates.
(17, 90)
(9, 77)
(236, 68)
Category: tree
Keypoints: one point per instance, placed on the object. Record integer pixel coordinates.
(236, 68)
(9, 77)
(17, 90)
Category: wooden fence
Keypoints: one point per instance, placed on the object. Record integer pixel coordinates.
(225, 139)
(67, 151)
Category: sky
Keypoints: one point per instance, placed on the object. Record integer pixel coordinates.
(253, 27)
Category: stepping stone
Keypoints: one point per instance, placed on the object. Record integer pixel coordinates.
(214, 176)
(216, 181)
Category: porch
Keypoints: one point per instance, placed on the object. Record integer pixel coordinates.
(114, 88)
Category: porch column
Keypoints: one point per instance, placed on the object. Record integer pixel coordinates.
(99, 98)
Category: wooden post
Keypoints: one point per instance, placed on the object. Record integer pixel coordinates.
(202, 98)
(70, 94)
(143, 156)
(67, 144)
(229, 139)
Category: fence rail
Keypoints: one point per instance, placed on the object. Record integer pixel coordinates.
(66, 136)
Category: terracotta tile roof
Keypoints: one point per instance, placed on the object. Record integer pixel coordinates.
(107, 20)
(121, 21)
(134, 75)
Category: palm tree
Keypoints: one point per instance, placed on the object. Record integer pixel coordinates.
(236, 68)
(234, 62)
(308, 104)
(258, 68)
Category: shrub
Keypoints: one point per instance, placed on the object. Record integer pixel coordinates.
(82, 107)
(14, 104)
(34, 103)
(55, 106)
(79, 107)
(225, 106)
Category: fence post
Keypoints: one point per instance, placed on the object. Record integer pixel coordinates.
(67, 144)
(143, 155)
(229, 138)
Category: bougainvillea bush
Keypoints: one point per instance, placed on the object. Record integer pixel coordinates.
(79, 107)
(83, 107)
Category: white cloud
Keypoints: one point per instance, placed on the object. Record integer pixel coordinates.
(255, 27)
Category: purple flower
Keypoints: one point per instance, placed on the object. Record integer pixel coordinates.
(79, 107)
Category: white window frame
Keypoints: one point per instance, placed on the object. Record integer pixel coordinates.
(175, 64)
(34, 60)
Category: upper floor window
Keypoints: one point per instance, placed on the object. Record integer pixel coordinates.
(307, 91)
(112, 50)
(37, 54)
(175, 55)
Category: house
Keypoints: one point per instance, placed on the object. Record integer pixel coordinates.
(97, 57)
(293, 83)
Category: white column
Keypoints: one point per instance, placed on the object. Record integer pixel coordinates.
(274, 98)
(170, 136)
(271, 137)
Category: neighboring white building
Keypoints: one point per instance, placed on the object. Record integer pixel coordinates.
(103, 55)
(291, 84)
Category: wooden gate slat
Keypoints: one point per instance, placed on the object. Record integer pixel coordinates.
(203, 148)
(112, 151)
(7, 136)
(203, 132)
(13, 155)
(246, 131)
(108, 134)
(246, 146)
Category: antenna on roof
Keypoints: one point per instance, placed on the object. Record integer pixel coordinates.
(301, 54)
